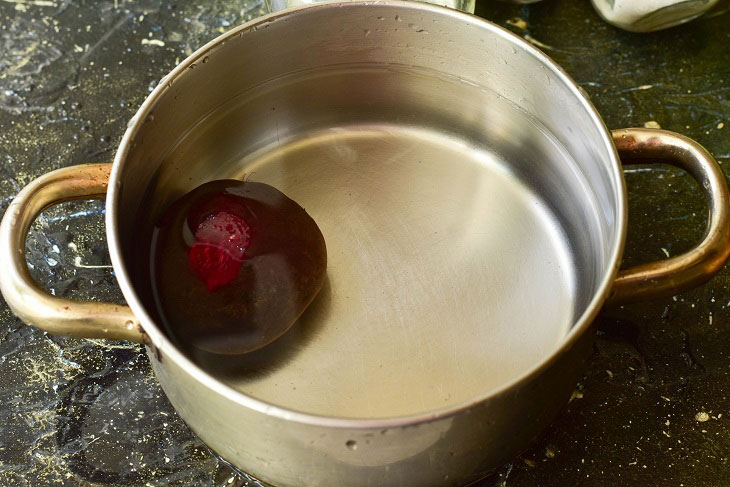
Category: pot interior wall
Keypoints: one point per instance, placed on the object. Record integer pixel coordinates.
(464, 192)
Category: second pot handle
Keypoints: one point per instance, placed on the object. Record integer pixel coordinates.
(685, 271)
(27, 300)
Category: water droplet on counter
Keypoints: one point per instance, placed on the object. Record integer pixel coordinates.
(351, 444)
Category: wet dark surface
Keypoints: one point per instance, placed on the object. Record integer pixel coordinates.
(652, 408)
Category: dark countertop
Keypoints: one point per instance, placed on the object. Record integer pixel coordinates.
(652, 408)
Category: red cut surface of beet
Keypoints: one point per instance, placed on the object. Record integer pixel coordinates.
(217, 254)
(213, 265)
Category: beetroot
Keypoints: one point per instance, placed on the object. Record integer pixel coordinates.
(234, 265)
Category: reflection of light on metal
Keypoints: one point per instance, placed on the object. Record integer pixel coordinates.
(463, 5)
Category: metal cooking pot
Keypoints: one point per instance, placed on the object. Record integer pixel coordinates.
(475, 215)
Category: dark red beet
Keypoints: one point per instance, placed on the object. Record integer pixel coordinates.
(234, 265)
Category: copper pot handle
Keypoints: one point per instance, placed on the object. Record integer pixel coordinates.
(25, 298)
(682, 272)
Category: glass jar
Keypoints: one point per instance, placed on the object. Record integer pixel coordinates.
(650, 15)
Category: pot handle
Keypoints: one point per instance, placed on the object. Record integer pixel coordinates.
(25, 298)
(682, 272)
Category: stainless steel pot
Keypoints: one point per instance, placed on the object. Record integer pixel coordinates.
(475, 215)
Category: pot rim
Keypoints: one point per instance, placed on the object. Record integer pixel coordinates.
(160, 341)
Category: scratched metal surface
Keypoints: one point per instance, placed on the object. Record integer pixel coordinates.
(652, 408)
